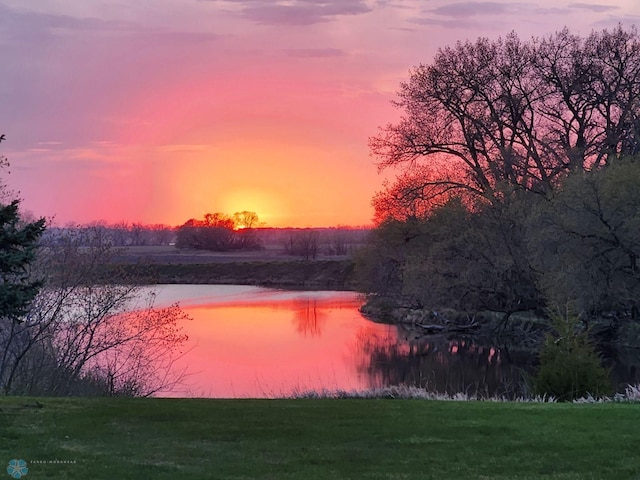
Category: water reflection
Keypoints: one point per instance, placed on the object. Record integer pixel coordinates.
(441, 364)
(251, 342)
(309, 317)
(270, 343)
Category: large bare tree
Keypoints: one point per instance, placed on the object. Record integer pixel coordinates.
(487, 117)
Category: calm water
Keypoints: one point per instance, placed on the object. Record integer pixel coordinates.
(255, 342)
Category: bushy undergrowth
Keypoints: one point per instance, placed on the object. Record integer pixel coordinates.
(570, 368)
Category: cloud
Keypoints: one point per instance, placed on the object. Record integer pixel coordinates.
(483, 15)
(26, 25)
(315, 52)
(440, 22)
(470, 9)
(21, 26)
(89, 72)
(593, 7)
(299, 12)
(613, 21)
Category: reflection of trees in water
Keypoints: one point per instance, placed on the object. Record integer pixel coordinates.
(397, 355)
(311, 314)
(309, 317)
(440, 364)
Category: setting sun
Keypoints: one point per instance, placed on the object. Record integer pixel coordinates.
(266, 205)
(254, 113)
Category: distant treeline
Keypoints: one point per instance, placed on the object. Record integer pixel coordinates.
(220, 236)
(117, 235)
(310, 243)
(219, 232)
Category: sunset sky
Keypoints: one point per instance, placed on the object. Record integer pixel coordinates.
(157, 111)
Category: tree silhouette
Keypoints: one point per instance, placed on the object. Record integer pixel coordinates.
(18, 245)
(490, 117)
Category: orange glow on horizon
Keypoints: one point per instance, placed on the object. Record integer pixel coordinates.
(254, 113)
(271, 182)
(267, 206)
(300, 163)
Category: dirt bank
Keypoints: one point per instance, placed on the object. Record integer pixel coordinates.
(292, 274)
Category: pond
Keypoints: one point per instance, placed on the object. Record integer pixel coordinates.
(250, 342)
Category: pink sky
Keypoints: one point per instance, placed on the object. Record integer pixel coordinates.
(157, 111)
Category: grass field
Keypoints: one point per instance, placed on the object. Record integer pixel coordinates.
(318, 439)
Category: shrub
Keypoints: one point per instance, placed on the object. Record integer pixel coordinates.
(570, 368)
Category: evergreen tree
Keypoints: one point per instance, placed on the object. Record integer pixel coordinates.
(18, 243)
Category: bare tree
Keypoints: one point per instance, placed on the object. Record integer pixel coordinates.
(84, 336)
(489, 117)
(304, 243)
(246, 219)
(340, 242)
(591, 89)
(220, 232)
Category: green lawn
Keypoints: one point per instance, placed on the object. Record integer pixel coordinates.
(307, 439)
